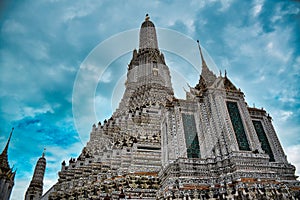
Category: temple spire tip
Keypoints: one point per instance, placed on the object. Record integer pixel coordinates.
(8, 141)
(147, 17)
(12, 130)
(202, 58)
(43, 154)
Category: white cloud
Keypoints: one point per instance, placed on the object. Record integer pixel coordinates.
(280, 12)
(67, 68)
(257, 7)
(106, 77)
(79, 10)
(244, 40)
(37, 49)
(283, 115)
(296, 65)
(103, 106)
(286, 94)
(101, 100)
(190, 25)
(275, 48)
(225, 5)
(184, 14)
(33, 111)
(20, 188)
(12, 26)
(91, 71)
(294, 156)
(251, 41)
(287, 99)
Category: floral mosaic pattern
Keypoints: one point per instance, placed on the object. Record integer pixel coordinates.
(238, 126)
(191, 137)
(265, 145)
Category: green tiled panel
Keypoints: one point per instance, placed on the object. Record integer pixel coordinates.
(265, 145)
(191, 137)
(238, 126)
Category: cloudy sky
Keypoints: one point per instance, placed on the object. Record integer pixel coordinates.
(49, 49)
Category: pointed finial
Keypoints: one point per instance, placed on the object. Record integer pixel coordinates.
(3, 156)
(202, 58)
(225, 73)
(6, 146)
(147, 17)
(43, 154)
(12, 130)
(220, 73)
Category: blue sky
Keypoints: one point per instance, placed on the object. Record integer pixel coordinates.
(45, 44)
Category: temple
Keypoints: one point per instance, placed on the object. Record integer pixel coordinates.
(211, 145)
(7, 175)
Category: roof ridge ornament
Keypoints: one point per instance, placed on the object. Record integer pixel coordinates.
(147, 17)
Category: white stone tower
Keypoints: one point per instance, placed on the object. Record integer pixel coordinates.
(148, 76)
(136, 122)
(35, 189)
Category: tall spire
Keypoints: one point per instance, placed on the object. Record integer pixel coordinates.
(208, 76)
(148, 77)
(7, 175)
(148, 37)
(202, 58)
(3, 157)
(35, 189)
